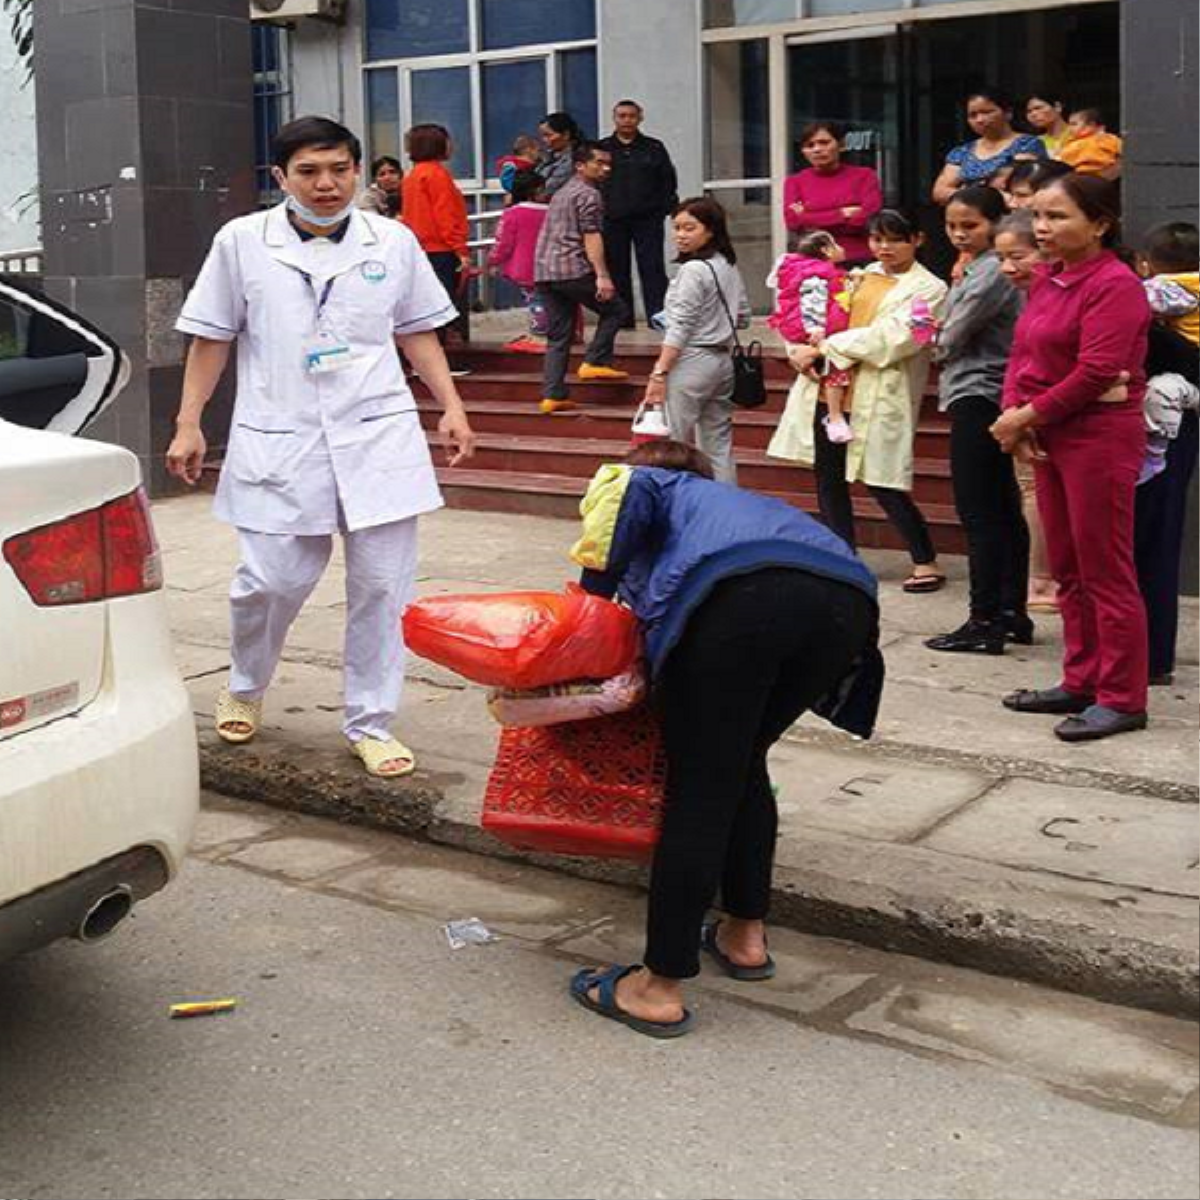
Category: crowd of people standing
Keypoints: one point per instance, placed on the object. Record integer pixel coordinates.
(864, 321)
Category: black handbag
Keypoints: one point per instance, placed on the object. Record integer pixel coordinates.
(749, 380)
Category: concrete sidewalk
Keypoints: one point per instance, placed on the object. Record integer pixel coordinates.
(961, 832)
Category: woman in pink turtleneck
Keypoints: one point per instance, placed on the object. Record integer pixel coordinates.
(830, 194)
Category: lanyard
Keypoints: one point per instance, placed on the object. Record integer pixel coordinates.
(323, 298)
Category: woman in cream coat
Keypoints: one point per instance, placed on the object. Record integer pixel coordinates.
(895, 304)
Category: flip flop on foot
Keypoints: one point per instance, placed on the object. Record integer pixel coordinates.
(597, 371)
(708, 943)
(605, 980)
(236, 720)
(385, 758)
(916, 584)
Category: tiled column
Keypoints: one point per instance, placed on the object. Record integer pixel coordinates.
(1159, 97)
(145, 147)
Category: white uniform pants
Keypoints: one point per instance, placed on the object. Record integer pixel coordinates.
(275, 577)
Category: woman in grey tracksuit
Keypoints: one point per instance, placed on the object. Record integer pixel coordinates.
(693, 376)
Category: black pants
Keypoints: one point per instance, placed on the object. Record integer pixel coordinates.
(989, 506)
(1159, 522)
(448, 269)
(625, 236)
(562, 300)
(759, 651)
(833, 499)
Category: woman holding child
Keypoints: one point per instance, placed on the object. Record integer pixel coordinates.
(886, 351)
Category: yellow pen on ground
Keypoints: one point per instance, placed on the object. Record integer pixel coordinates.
(202, 1008)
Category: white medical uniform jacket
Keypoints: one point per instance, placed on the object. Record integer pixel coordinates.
(314, 452)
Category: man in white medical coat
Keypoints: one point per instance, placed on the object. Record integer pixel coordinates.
(325, 435)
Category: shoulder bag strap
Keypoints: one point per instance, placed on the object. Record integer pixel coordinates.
(724, 304)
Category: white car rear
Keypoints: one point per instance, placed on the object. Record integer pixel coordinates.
(99, 781)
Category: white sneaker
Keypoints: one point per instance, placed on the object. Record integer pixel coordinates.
(838, 431)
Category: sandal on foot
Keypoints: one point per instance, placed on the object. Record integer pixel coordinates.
(916, 584)
(606, 980)
(375, 752)
(708, 943)
(231, 711)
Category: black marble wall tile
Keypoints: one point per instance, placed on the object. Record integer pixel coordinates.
(176, 53)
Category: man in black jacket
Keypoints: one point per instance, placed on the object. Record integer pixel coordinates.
(640, 194)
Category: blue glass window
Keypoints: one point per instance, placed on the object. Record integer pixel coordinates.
(270, 103)
(417, 28)
(443, 96)
(383, 112)
(514, 101)
(535, 22)
(578, 89)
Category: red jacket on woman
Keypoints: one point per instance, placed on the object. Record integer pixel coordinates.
(824, 194)
(434, 209)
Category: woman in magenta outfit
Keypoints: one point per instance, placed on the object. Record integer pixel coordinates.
(1083, 330)
(831, 195)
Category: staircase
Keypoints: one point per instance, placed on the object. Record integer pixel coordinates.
(527, 462)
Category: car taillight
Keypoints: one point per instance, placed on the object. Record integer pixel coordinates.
(95, 555)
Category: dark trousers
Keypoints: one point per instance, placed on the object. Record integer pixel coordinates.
(989, 506)
(448, 269)
(1159, 522)
(833, 499)
(625, 236)
(758, 652)
(562, 300)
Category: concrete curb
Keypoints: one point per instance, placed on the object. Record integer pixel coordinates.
(891, 896)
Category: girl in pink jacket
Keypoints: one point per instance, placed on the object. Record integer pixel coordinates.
(812, 301)
(513, 254)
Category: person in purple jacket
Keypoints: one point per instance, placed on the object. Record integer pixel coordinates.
(831, 195)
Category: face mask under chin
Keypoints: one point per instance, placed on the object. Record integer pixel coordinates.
(319, 219)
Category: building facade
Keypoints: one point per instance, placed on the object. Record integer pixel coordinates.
(727, 84)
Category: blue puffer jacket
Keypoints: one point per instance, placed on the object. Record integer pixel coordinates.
(663, 540)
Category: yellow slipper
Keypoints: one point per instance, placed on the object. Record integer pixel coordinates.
(230, 712)
(377, 752)
(595, 371)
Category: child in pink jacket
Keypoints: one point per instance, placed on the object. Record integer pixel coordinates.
(812, 301)
(513, 253)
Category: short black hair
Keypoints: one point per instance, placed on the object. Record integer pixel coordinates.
(563, 122)
(1036, 172)
(525, 185)
(835, 129)
(1000, 99)
(384, 160)
(986, 201)
(628, 104)
(583, 151)
(315, 133)
(1174, 246)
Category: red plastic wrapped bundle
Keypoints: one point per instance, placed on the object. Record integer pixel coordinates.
(588, 788)
(524, 639)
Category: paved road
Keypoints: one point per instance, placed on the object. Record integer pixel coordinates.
(367, 1059)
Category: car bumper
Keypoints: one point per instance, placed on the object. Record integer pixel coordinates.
(88, 904)
(121, 774)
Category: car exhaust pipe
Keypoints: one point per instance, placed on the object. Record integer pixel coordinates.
(105, 915)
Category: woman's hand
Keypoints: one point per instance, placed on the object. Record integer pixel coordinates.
(1013, 426)
(1029, 450)
(797, 208)
(850, 211)
(802, 358)
(656, 390)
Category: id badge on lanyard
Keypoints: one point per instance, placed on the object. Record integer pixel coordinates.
(328, 353)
